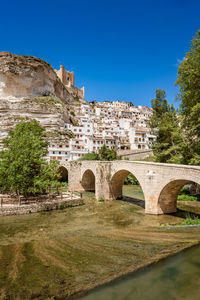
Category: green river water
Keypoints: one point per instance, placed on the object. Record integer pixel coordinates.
(175, 278)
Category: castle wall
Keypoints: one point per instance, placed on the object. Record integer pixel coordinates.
(68, 80)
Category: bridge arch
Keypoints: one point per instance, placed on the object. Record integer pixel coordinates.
(88, 180)
(117, 181)
(167, 199)
(63, 172)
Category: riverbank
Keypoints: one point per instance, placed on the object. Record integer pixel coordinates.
(64, 253)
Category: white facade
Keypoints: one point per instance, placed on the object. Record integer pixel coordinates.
(118, 125)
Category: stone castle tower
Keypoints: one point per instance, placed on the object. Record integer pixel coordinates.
(68, 80)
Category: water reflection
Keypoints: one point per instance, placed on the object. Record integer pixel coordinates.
(175, 278)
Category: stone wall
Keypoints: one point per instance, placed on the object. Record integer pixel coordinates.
(10, 210)
(135, 154)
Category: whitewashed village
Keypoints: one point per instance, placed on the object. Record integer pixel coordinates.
(118, 125)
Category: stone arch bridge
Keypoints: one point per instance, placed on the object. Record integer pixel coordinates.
(160, 183)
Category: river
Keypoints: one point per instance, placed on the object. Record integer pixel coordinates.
(174, 278)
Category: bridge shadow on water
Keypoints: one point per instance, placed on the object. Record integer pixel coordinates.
(135, 201)
(184, 213)
(181, 213)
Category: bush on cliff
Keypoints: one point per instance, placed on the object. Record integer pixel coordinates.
(23, 169)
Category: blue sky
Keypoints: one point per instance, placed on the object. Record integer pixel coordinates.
(118, 49)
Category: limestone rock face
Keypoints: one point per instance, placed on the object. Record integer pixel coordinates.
(30, 89)
(28, 76)
(49, 111)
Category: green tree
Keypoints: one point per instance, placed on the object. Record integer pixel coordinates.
(107, 154)
(103, 154)
(131, 179)
(90, 156)
(165, 125)
(160, 108)
(188, 80)
(23, 169)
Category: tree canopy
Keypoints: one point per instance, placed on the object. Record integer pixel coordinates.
(103, 154)
(23, 168)
(188, 80)
(178, 134)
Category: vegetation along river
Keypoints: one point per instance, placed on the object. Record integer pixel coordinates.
(174, 278)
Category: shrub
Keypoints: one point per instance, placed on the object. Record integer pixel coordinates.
(191, 221)
(62, 206)
(101, 200)
(108, 176)
(70, 134)
(187, 198)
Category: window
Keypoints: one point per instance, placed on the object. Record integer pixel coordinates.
(53, 152)
(60, 146)
(88, 130)
(59, 152)
(80, 130)
(75, 130)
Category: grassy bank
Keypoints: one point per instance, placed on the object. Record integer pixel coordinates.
(60, 253)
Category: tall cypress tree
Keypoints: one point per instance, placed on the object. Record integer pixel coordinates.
(165, 125)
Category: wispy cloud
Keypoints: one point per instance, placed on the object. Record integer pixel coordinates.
(179, 61)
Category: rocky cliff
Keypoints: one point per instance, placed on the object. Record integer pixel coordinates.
(28, 76)
(30, 88)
